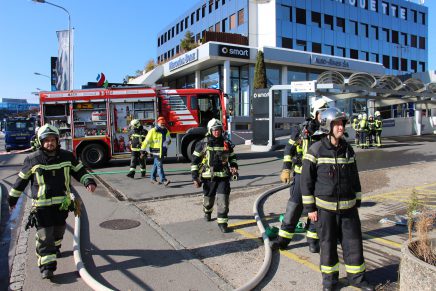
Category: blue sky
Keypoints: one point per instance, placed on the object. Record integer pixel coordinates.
(113, 37)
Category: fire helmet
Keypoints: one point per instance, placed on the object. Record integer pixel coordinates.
(317, 106)
(135, 123)
(377, 113)
(214, 124)
(328, 116)
(46, 130)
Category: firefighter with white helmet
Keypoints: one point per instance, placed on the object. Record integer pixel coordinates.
(213, 164)
(49, 170)
(301, 139)
(355, 125)
(331, 194)
(363, 131)
(378, 126)
(137, 135)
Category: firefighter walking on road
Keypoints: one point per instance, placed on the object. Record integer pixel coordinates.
(49, 171)
(213, 164)
(331, 195)
(294, 152)
(378, 127)
(137, 135)
(158, 138)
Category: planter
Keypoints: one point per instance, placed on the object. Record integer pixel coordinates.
(415, 274)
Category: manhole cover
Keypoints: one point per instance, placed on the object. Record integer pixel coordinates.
(119, 224)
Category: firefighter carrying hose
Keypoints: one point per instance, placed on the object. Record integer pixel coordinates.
(137, 135)
(331, 194)
(49, 171)
(213, 164)
(293, 157)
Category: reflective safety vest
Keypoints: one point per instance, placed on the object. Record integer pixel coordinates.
(378, 124)
(136, 138)
(213, 159)
(355, 123)
(51, 176)
(363, 125)
(156, 141)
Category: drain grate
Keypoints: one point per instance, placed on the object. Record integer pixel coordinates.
(120, 224)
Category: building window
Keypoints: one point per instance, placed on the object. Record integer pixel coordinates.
(232, 21)
(365, 56)
(414, 66)
(241, 17)
(386, 62)
(169, 34)
(287, 43)
(300, 15)
(404, 38)
(386, 34)
(354, 54)
(374, 57)
(217, 27)
(186, 22)
(203, 11)
(395, 63)
(316, 18)
(354, 27)
(413, 41)
(224, 2)
(177, 49)
(340, 22)
(316, 47)
(385, 8)
(198, 15)
(415, 16)
(210, 6)
(172, 31)
(181, 26)
(422, 14)
(286, 13)
(394, 9)
(394, 36)
(364, 29)
(422, 66)
(224, 25)
(404, 65)
(177, 28)
(422, 42)
(301, 45)
(217, 2)
(329, 49)
(328, 21)
(341, 51)
(374, 31)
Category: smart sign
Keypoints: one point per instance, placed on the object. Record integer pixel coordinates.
(233, 52)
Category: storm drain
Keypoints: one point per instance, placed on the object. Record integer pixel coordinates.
(120, 224)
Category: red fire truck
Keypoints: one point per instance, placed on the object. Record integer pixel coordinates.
(94, 123)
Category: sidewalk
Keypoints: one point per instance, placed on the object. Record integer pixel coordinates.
(122, 259)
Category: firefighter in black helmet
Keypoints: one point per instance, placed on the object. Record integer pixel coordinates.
(331, 194)
(49, 170)
(137, 135)
(214, 162)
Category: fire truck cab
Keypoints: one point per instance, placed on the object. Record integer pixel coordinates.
(94, 123)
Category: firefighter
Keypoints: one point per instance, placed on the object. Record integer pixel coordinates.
(137, 135)
(378, 127)
(355, 126)
(49, 170)
(371, 131)
(293, 156)
(363, 131)
(331, 194)
(213, 164)
(158, 139)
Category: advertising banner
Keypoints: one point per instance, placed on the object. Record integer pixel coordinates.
(53, 73)
(65, 52)
(260, 117)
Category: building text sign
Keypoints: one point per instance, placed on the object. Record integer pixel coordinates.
(329, 62)
(233, 52)
(183, 60)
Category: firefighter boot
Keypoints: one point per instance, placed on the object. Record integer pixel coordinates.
(131, 174)
(313, 245)
(280, 243)
(47, 274)
(223, 227)
(143, 174)
(207, 216)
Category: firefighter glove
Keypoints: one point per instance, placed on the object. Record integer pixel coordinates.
(285, 176)
(31, 221)
(197, 183)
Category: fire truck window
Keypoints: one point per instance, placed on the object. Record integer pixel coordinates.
(209, 108)
(55, 110)
(194, 103)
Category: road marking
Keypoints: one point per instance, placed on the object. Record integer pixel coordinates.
(382, 241)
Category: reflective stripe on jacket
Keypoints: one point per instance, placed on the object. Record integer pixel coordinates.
(154, 139)
(137, 136)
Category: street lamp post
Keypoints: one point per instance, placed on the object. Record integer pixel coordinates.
(70, 80)
(39, 74)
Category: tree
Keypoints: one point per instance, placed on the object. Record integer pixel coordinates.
(150, 65)
(188, 42)
(260, 81)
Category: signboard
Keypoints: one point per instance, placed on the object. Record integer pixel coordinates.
(233, 52)
(389, 123)
(329, 62)
(53, 73)
(303, 87)
(260, 117)
(183, 60)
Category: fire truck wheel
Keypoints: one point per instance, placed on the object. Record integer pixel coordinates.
(93, 155)
(190, 149)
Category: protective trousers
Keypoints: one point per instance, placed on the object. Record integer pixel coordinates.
(378, 138)
(136, 160)
(49, 235)
(356, 138)
(344, 227)
(363, 136)
(294, 209)
(219, 188)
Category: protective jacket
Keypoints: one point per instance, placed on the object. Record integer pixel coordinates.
(330, 179)
(49, 177)
(301, 139)
(137, 136)
(158, 139)
(378, 125)
(212, 158)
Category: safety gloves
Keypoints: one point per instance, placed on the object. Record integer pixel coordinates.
(285, 176)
